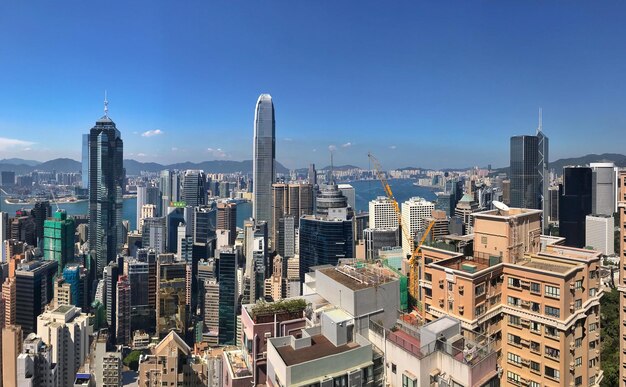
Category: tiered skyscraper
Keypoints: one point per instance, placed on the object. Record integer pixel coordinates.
(263, 156)
(106, 181)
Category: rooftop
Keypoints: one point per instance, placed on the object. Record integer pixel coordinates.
(505, 214)
(237, 364)
(320, 347)
(359, 277)
(551, 266)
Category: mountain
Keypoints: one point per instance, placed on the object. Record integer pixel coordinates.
(618, 159)
(340, 167)
(16, 161)
(134, 167)
(56, 165)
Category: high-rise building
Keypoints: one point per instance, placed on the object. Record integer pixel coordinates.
(58, 239)
(9, 289)
(194, 188)
(263, 158)
(105, 362)
(382, 213)
(40, 212)
(464, 210)
(12, 341)
(312, 174)
(575, 203)
(553, 192)
(85, 162)
(106, 182)
(7, 178)
(526, 187)
(348, 191)
(547, 297)
(228, 261)
(599, 233)
(289, 200)
(154, 234)
(603, 188)
(66, 329)
(621, 287)
(34, 289)
(142, 193)
(378, 238)
(414, 211)
(35, 366)
(122, 312)
(110, 276)
(227, 220)
(543, 167)
(4, 234)
(211, 311)
(172, 284)
(286, 243)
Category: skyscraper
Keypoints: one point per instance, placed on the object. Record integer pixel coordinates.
(227, 220)
(544, 173)
(58, 239)
(122, 312)
(525, 179)
(263, 158)
(603, 188)
(414, 211)
(194, 188)
(34, 289)
(85, 162)
(106, 182)
(574, 205)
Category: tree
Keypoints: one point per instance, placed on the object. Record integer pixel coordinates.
(609, 355)
(132, 360)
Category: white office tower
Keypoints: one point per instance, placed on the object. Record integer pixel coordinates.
(35, 367)
(599, 233)
(67, 331)
(382, 213)
(347, 190)
(4, 233)
(142, 195)
(414, 211)
(603, 188)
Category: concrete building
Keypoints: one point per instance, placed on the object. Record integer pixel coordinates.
(599, 233)
(211, 312)
(622, 275)
(67, 331)
(464, 210)
(227, 220)
(35, 366)
(194, 191)
(146, 211)
(439, 353)
(603, 188)
(172, 308)
(289, 200)
(34, 289)
(378, 238)
(12, 344)
(414, 211)
(9, 296)
(348, 191)
(105, 362)
(154, 234)
(172, 363)
(440, 226)
(538, 301)
(382, 213)
(122, 310)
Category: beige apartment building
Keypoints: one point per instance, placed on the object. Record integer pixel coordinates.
(622, 274)
(539, 305)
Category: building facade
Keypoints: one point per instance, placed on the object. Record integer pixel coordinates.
(263, 158)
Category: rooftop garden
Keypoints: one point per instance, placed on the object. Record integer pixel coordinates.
(288, 306)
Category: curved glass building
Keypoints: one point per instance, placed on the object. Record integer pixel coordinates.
(263, 155)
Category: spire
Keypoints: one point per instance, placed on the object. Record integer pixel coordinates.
(539, 128)
(106, 105)
(331, 178)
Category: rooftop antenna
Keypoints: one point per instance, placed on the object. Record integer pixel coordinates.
(540, 127)
(106, 105)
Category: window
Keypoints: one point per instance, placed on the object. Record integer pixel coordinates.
(578, 284)
(592, 327)
(535, 366)
(592, 380)
(534, 384)
(535, 307)
(513, 358)
(593, 292)
(553, 291)
(514, 282)
(479, 290)
(552, 373)
(535, 346)
(553, 312)
(578, 342)
(514, 339)
(535, 327)
(514, 320)
(578, 361)
(408, 381)
(513, 301)
(552, 332)
(428, 277)
(512, 377)
(428, 292)
(578, 304)
(450, 286)
(593, 274)
(535, 287)
(552, 352)
(480, 310)
(393, 368)
(450, 304)
(578, 381)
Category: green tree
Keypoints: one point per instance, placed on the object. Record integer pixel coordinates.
(609, 355)
(132, 360)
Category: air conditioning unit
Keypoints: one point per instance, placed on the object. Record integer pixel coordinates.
(461, 309)
(441, 284)
(572, 346)
(461, 289)
(327, 382)
(571, 366)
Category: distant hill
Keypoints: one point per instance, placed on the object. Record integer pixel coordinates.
(15, 161)
(25, 166)
(134, 167)
(618, 159)
(340, 167)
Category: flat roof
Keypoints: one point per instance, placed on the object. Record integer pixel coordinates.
(358, 278)
(510, 213)
(554, 267)
(320, 347)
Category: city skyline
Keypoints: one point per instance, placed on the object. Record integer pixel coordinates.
(465, 79)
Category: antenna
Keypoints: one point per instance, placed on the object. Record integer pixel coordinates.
(540, 127)
(106, 105)
(332, 174)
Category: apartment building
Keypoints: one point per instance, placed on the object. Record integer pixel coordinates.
(622, 274)
(539, 305)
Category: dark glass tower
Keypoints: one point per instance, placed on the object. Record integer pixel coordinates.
(263, 156)
(227, 277)
(575, 204)
(526, 188)
(106, 182)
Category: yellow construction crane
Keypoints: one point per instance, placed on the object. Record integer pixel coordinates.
(413, 264)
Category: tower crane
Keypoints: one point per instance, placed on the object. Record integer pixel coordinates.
(413, 259)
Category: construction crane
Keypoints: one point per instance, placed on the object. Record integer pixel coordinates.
(413, 259)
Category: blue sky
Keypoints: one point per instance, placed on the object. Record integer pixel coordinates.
(433, 84)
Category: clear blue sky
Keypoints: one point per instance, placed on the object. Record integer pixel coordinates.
(434, 84)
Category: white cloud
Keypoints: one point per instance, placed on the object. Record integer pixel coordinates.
(150, 133)
(332, 148)
(392, 147)
(141, 155)
(288, 139)
(174, 149)
(217, 152)
(8, 143)
(346, 145)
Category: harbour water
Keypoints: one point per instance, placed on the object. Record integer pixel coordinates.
(364, 192)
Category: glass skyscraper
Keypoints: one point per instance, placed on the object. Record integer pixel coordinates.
(526, 188)
(85, 162)
(58, 239)
(106, 182)
(575, 203)
(263, 155)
